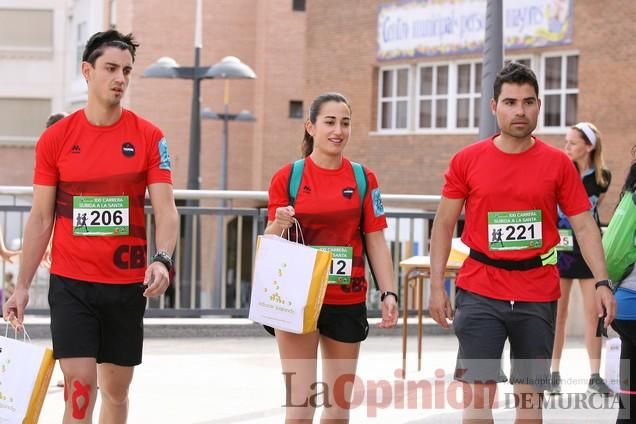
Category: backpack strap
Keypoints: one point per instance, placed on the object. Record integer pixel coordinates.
(293, 186)
(361, 181)
(295, 177)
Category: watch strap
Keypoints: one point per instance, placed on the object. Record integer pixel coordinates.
(164, 258)
(605, 283)
(389, 293)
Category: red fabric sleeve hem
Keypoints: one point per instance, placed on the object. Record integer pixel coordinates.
(166, 180)
(45, 181)
(375, 228)
(577, 211)
(453, 195)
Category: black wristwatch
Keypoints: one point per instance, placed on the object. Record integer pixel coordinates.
(389, 293)
(605, 283)
(163, 257)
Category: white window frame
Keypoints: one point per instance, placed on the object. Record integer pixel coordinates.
(433, 97)
(537, 63)
(80, 43)
(471, 95)
(563, 91)
(394, 99)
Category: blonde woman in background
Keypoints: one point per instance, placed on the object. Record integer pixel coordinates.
(583, 146)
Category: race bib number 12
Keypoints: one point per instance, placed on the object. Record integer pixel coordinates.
(515, 230)
(100, 216)
(341, 264)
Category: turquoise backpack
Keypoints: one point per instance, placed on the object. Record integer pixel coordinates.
(297, 175)
(619, 239)
(361, 181)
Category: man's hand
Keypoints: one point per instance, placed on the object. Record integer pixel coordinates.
(604, 299)
(389, 312)
(13, 309)
(156, 279)
(439, 306)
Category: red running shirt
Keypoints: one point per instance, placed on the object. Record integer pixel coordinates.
(119, 160)
(328, 210)
(490, 180)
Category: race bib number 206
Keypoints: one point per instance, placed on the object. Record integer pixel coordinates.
(514, 230)
(100, 216)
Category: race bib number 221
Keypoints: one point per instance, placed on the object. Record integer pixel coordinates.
(514, 230)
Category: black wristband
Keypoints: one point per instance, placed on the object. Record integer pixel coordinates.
(389, 293)
(605, 283)
(164, 258)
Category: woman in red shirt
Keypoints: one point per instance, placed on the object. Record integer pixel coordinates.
(328, 208)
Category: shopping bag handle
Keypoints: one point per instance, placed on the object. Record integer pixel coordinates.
(299, 230)
(25, 335)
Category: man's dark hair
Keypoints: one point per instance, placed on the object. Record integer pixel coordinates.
(515, 73)
(112, 38)
(54, 117)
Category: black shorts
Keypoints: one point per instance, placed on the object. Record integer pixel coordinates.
(572, 265)
(482, 326)
(343, 323)
(96, 320)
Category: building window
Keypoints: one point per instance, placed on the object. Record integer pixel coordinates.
(394, 92)
(80, 43)
(296, 109)
(560, 90)
(468, 95)
(446, 96)
(22, 120)
(298, 5)
(26, 29)
(433, 96)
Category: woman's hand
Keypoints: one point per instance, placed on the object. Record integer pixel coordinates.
(284, 217)
(389, 312)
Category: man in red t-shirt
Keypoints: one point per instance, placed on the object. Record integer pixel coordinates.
(510, 185)
(92, 169)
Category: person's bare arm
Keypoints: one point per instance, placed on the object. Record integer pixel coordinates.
(589, 238)
(166, 225)
(441, 238)
(380, 258)
(36, 237)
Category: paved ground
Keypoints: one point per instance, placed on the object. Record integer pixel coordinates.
(238, 380)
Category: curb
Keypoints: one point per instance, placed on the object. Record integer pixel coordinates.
(39, 328)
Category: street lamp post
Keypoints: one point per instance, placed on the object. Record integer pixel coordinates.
(166, 67)
(244, 115)
(226, 117)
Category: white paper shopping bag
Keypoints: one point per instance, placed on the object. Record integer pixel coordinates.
(289, 284)
(25, 373)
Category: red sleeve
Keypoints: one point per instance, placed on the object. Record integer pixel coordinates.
(159, 164)
(571, 194)
(46, 171)
(278, 195)
(373, 209)
(455, 184)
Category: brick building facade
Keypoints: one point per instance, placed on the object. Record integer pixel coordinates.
(267, 36)
(342, 55)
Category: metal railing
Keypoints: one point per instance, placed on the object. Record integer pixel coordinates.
(409, 218)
